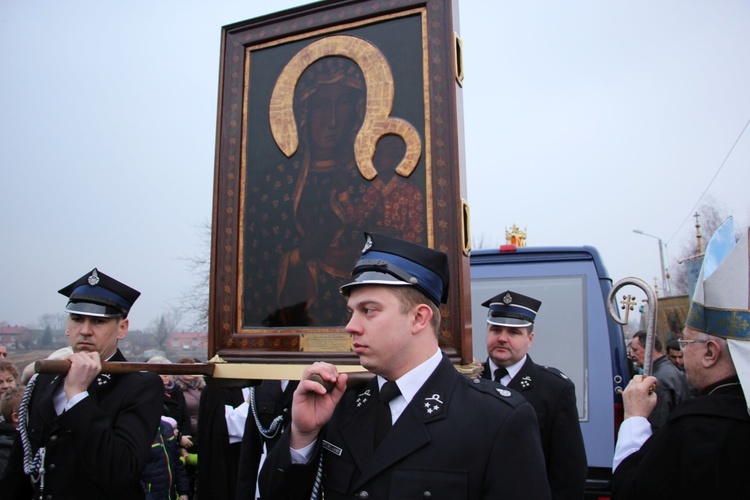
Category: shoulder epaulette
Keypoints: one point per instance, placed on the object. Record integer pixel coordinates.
(554, 371)
(508, 396)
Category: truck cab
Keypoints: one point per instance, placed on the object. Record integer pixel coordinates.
(573, 332)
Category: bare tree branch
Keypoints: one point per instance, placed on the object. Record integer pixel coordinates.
(166, 324)
(194, 300)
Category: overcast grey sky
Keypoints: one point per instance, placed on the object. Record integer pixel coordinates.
(583, 120)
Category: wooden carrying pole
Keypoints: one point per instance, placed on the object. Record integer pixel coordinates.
(235, 372)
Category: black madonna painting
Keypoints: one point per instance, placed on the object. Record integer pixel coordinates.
(338, 158)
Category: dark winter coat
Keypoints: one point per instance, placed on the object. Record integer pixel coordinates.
(553, 396)
(97, 448)
(700, 452)
(164, 477)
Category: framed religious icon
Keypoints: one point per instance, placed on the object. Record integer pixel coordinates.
(335, 119)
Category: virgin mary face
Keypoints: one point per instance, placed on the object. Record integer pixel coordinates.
(332, 115)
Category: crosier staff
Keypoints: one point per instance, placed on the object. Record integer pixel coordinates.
(648, 361)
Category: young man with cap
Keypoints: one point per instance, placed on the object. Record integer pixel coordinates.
(419, 429)
(87, 434)
(510, 333)
(702, 450)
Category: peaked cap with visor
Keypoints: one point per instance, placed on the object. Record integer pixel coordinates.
(96, 294)
(393, 262)
(511, 309)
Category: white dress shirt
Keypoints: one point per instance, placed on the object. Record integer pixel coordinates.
(512, 370)
(634, 431)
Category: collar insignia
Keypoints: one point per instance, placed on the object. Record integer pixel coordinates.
(432, 404)
(503, 392)
(363, 398)
(526, 382)
(103, 379)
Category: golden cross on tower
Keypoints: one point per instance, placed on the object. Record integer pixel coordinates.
(698, 233)
(628, 303)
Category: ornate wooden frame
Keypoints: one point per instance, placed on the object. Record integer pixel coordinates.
(262, 60)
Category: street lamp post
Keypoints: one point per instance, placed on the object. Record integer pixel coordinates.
(664, 282)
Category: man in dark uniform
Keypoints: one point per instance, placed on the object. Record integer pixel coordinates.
(269, 415)
(510, 333)
(702, 450)
(87, 434)
(451, 436)
(217, 455)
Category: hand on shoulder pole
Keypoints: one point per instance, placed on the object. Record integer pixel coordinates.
(313, 405)
(84, 367)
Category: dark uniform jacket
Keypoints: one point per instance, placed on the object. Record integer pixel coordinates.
(553, 396)
(217, 459)
(270, 402)
(99, 447)
(701, 452)
(457, 439)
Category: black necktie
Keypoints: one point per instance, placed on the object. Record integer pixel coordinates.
(500, 373)
(383, 420)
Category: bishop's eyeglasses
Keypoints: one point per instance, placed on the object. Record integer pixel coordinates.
(684, 342)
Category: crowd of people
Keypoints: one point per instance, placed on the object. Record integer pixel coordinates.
(10, 400)
(418, 428)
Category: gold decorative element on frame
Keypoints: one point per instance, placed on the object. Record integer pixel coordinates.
(377, 122)
(326, 342)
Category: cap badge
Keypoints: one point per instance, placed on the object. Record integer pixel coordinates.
(94, 278)
(503, 392)
(368, 244)
(507, 299)
(362, 398)
(432, 404)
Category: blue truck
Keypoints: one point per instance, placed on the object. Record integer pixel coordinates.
(573, 333)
